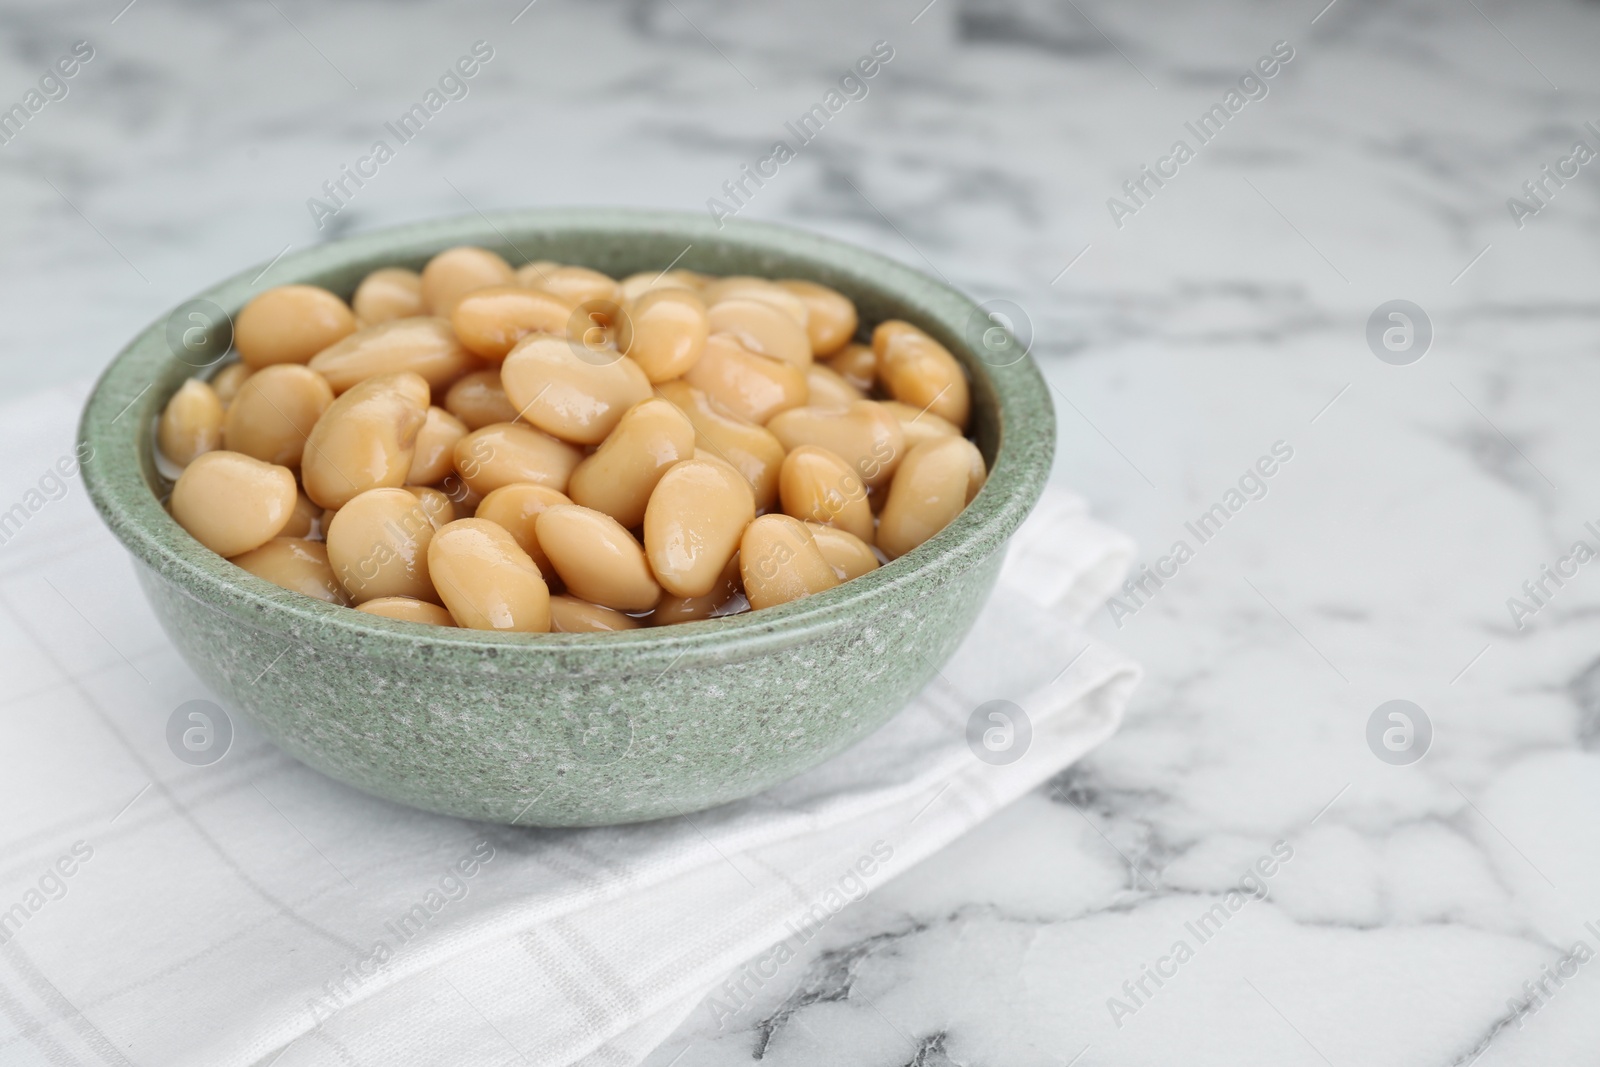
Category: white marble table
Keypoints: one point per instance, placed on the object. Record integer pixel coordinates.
(1422, 908)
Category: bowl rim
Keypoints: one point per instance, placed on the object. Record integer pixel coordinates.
(124, 405)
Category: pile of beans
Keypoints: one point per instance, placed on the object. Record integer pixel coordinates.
(546, 448)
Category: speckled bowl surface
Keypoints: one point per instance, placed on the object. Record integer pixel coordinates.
(575, 729)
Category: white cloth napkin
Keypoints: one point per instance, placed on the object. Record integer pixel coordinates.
(253, 912)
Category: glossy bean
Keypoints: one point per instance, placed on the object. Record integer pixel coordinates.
(888, 330)
(597, 558)
(516, 508)
(591, 331)
(462, 496)
(365, 440)
(388, 294)
(816, 485)
(486, 579)
(455, 272)
(567, 392)
(752, 450)
(290, 324)
(917, 370)
(676, 609)
(636, 285)
(434, 456)
(752, 386)
(305, 521)
(191, 423)
(779, 561)
(489, 322)
(231, 502)
(274, 413)
(504, 453)
(622, 473)
(848, 555)
(761, 328)
(919, 425)
(827, 388)
(298, 565)
(533, 273)
(936, 480)
(856, 364)
(693, 523)
(405, 609)
(863, 434)
(227, 381)
(478, 399)
(378, 546)
(577, 286)
(831, 318)
(569, 615)
(426, 346)
(746, 287)
(664, 332)
(438, 507)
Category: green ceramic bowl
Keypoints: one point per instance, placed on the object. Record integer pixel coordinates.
(575, 729)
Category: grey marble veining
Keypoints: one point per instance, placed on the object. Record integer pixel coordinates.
(1422, 904)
